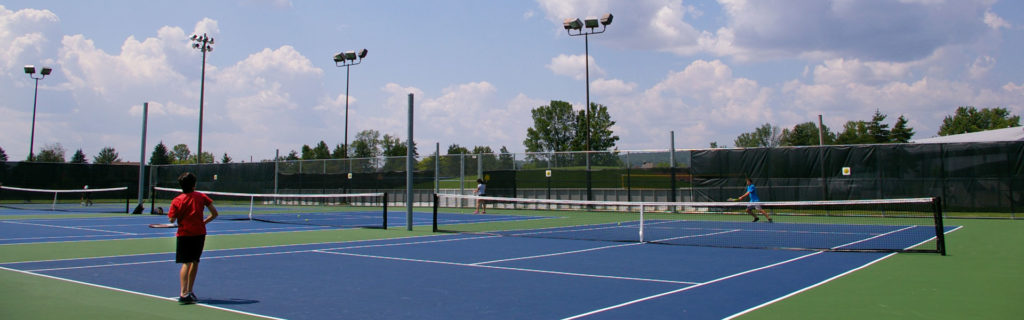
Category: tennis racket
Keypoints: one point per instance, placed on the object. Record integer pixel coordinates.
(163, 225)
(732, 199)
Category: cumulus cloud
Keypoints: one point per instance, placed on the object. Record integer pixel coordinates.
(995, 22)
(574, 66)
(868, 30)
(469, 114)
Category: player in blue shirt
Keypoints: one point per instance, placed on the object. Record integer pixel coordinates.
(752, 193)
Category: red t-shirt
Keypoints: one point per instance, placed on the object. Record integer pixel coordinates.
(187, 210)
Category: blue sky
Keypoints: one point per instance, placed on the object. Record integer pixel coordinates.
(708, 70)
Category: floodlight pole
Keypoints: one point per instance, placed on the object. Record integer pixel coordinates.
(347, 60)
(32, 137)
(586, 49)
(202, 43)
(31, 71)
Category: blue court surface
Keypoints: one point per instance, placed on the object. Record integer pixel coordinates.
(478, 276)
(464, 276)
(62, 229)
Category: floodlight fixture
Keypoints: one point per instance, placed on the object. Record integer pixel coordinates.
(43, 72)
(606, 19)
(202, 43)
(572, 24)
(591, 23)
(348, 59)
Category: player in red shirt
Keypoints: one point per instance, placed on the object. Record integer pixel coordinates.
(187, 211)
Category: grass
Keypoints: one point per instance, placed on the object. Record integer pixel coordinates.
(979, 278)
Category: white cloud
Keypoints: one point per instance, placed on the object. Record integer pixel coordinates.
(638, 25)
(866, 30)
(574, 66)
(611, 87)
(207, 26)
(981, 66)
(27, 35)
(995, 22)
(924, 100)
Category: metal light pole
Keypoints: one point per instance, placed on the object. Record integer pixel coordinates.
(205, 44)
(348, 59)
(31, 71)
(570, 25)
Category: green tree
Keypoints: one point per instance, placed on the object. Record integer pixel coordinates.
(225, 158)
(366, 144)
(394, 150)
(79, 157)
(51, 153)
(854, 132)
(206, 158)
(970, 119)
(506, 161)
(764, 136)
(339, 152)
(181, 154)
(878, 131)
(714, 145)
(451, 163)
(3, 155)
(107, 155)
(554, 128)
(601, 135)
(293, 155)
(321, 151)
(901, 132)
(805, 134)
(160, 156)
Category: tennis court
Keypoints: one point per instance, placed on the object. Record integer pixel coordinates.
(109, 227)
(476, 276)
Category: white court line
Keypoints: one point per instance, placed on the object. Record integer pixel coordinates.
(215, 250)
(63, 227)
(248, 255)
(875, 237)
(506, 268)
(137, 293)
(555, 254)
(597, 248)
(698, 235)
(808, 287)
(829, 279)
(690, 287)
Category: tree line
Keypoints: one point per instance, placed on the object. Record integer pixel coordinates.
(965, 119)
(557, 127)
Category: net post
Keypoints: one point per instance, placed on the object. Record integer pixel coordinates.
(252, 199)
(641, 223)
(127, 201)
(434, 219)
(384, 224)
(940, 234)
(152, 200)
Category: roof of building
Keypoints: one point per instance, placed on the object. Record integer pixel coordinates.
(1005, 134)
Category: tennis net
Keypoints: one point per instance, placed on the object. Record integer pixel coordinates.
(86, 200)
(365, 210)
(889, 225)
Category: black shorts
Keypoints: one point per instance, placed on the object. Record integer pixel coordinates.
(189, 248)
